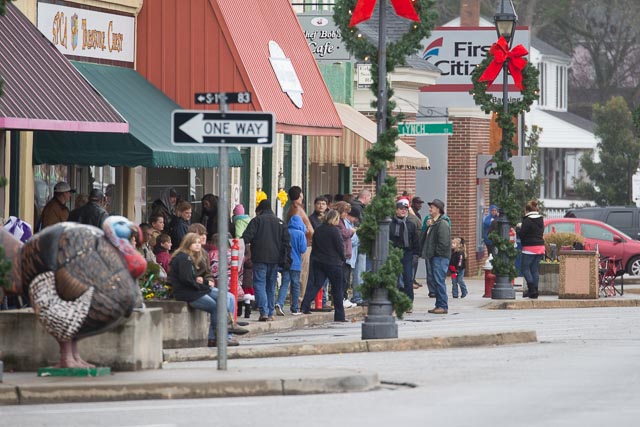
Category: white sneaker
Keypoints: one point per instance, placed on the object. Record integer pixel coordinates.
(296, 313)
(279, 310)
(347, 304)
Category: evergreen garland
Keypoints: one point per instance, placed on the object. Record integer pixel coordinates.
(505, 199)
(383, 204)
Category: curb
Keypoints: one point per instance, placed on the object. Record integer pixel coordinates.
(364, 346)
(550, 304)
(203, 383)
(298, 322)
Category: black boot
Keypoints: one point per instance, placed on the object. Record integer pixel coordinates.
(247, 310)
(525, 294)
(240, 304)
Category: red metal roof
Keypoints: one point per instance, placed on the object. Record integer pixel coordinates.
(41, 89)
(250, 28)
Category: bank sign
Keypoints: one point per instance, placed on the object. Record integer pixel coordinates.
(456, 51)
(86, 33)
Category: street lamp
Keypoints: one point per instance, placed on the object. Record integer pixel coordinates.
(505, 21)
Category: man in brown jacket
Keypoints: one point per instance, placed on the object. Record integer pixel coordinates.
(297, 208)
(56, 209)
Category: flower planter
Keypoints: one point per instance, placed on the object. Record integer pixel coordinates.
(578, 275)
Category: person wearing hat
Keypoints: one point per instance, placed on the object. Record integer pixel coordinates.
(270, 247)
(56, 209)
(437, 252)
(403, 234)
(416, 206)
(165, 206)
(91, 213)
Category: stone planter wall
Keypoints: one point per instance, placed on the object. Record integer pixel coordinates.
(578, 275)
(183, 326)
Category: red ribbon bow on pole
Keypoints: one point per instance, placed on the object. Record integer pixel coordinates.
(501, 53)
(364, 10)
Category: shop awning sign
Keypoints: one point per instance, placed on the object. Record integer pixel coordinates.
(237, 129)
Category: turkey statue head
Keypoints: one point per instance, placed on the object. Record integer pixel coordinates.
(81, 280)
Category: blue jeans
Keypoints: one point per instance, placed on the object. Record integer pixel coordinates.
(430, 280)
(321, 272)
(209, 303)
(530, 267)
(439, 268)
(406, 278)
(361, 265)
(459, 281)
(293, 277)
(264, 286)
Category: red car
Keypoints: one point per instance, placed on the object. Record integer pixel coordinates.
(611, 241)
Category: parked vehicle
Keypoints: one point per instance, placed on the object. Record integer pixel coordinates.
(610, 241)
(624, 218)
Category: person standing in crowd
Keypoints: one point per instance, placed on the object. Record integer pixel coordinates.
(56, 209)
(346, 231)
(320, 207)
(209, 217)
(161, 251)
(291, 276)
(270, 247)
(327, 257)
(193, 283)
(437, 251)
(358, 205)
(165, 206)
(181, 222)
(92, 212)
(457, 265)
(352, 221)
(531, 233)
(240, 221)
(487, 222)
(403, 234)
(148, 242)
(426, 223)
(416, 207)
(415, 217)
(296, 207)
(157, 222)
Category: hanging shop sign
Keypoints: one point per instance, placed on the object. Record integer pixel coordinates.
(323, 36)
(87, 33)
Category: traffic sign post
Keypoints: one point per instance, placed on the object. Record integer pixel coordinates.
(238, 129)
(416, 129)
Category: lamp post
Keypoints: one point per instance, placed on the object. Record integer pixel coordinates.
(505, 21)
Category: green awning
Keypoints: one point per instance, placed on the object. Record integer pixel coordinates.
(148, 143)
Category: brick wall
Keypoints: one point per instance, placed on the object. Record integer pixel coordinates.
(470, 138)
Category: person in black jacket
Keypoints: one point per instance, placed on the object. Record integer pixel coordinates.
(327, 258)
(92, 212)
(181, 222)
(531, 232)
(192, 282)
(403, 234)
(270, 248)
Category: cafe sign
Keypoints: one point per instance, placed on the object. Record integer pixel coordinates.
(87, 33)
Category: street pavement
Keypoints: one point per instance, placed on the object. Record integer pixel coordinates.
(472, 322)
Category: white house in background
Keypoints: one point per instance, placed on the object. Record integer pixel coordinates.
(565, 136)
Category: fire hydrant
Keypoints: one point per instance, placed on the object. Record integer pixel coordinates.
(489, 278)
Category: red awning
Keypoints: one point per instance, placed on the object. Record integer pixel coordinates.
(41, 89)
(249, 29)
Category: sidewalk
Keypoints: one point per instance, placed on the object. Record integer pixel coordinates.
(470, 322)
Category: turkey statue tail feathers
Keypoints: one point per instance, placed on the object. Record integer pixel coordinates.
(12, 253)
(60, 318)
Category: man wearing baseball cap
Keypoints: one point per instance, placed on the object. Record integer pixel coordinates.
(437, 252)
(56, 209)
(92, 213)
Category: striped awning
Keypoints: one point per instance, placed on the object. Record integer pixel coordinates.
(358, 133)
(41, 89)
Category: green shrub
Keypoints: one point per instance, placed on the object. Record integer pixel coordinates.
(561, 239)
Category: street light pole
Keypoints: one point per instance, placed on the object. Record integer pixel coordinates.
(505, 21)
(379, 322)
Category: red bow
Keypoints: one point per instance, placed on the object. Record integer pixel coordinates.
(501, 53)
(364, 10)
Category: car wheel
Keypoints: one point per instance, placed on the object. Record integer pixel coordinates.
(633, 268)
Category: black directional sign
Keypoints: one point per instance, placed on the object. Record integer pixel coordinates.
(236, 128)
(217, 97)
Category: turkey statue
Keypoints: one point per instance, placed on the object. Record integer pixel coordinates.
(81, 280)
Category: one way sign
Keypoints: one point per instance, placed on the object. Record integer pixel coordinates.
(191, 127)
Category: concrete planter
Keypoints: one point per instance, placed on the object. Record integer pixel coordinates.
(549, 282)
(578, 275)
(133, 345)
(182, 326)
